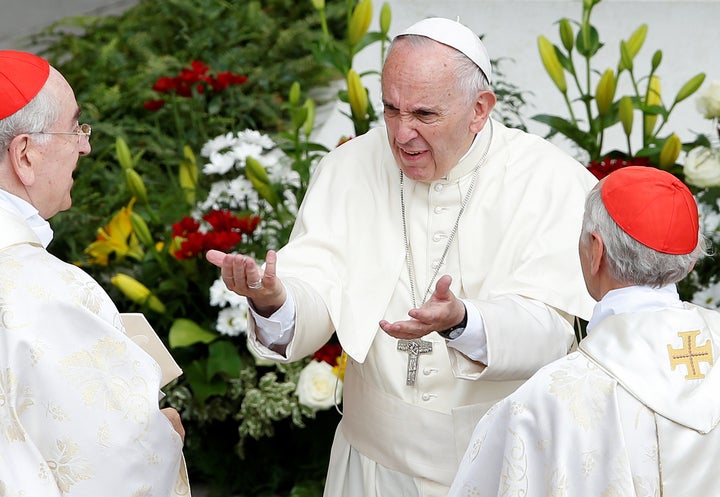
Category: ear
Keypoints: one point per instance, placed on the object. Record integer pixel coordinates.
(484, 104)
(597, 253)
(21, 155)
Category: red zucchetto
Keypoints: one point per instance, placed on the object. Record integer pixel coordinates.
(653, 207)
(22, 75)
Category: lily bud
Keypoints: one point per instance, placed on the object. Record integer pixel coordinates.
(626, 60)
(605, 92)
(566, 34)
(141, 230)
(652, 98)
(188, 174)
(637, 40)
(385, 18)
(670, 151)
(359, 21)
(309, 123)
(318, 4)
(357, 95)
(626, 110)
(257, 175)
(137, 292)
(690, 87)
(122, 152)
(656, 59)
(294, 96)
(552, 63)
(136, 185)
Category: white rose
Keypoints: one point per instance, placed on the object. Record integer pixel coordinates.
(702, 167)
(708, 102)
(318, 387)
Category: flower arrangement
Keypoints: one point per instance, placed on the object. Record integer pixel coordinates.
(596, 92)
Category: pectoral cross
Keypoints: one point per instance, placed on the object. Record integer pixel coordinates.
(414, 348)
(691, 355)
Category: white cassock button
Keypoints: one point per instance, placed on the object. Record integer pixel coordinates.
(438, 236)
(439, 210)
(438, 187)
(426, 396)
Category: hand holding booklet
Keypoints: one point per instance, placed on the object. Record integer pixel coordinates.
(140, 332)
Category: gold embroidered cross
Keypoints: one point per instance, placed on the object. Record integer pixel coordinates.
(414, 348)
(691, 355)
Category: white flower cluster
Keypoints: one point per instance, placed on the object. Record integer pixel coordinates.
(227, 155)
(708, 102)
(702, 164)
(232, 318)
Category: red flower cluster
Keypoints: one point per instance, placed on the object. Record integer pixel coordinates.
(329, 353)
(196, 77)
(226, 233)
(606, 165)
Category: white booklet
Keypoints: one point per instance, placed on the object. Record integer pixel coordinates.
(140, 332)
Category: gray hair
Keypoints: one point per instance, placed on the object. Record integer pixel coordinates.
(39, 114)
(470, 78)
(628, 260)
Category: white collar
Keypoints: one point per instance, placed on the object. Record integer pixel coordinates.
(634, 299)
(30, 214)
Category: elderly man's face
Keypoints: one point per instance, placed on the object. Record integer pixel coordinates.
(430, 125)
(57, 155)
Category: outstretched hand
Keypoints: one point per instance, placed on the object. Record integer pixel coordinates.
(244, 276)
(442, 311)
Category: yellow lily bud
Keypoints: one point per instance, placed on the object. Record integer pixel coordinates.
(566, 34)
(385, 18)
(122, 151)
(318, 4)
(357, 95)
(309, 123)
(136, 185)
(137, 292)
(637, 40)
(552, 63)
(359, 21)
(626, 110)
(626, 60)
(605, 92)
(141, 230)
(670, 151)
(651, 98)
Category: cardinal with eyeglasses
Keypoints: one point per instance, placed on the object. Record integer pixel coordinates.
(79, 398)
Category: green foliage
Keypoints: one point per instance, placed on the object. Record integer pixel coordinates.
(114, 61)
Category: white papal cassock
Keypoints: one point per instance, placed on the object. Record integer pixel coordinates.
(514, 259)
(79, 412)
(634, 412)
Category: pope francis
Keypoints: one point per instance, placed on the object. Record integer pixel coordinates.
(441, 249)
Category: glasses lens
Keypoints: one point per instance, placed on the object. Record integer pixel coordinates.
(85, 130)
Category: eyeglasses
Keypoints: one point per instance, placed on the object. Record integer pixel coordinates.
(82, 130)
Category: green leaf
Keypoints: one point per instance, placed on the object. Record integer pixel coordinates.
(223, 358)
(202, 387)
(184, 332)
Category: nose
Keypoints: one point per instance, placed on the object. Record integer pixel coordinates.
(405, 129)
(84, 147)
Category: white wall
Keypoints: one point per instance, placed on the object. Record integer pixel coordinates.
(687, 32)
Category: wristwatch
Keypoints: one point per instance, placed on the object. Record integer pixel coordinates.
(454, 331)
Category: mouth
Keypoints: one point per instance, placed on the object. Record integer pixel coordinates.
(411, 154)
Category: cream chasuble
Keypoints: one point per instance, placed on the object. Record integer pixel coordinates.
(517, 237)
(634, 412)
(79, 409)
